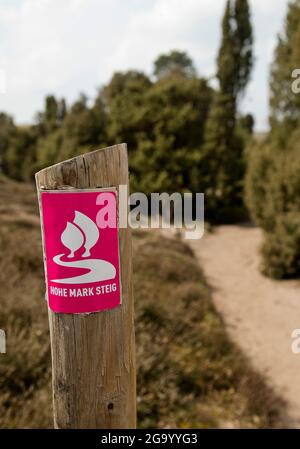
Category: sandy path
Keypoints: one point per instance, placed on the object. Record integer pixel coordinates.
(260, 314)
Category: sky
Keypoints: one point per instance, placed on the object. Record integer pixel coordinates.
(73, 46)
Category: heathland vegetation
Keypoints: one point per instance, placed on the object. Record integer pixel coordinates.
(273, 177)
(184, 134)
(189, 372)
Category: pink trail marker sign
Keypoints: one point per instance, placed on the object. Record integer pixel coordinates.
(81, 250)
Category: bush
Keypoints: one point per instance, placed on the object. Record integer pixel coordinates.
(256, 183)
(281, 249)
(273, 198)
(273, 179)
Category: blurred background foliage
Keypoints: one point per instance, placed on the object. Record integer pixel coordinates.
(273, 173)
(186, 133)
(182, 134)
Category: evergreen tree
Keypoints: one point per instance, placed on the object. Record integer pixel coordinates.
(7, 131)
(52, 116)
(284, 104)
(124, 99)
(174, 63)
(19, 157)
(169, 136)
(78, 130)
(235, 57)
(61, 111)
(163, 124)
(243, 42)
(273, 174)
(223, 149)
(226, 70)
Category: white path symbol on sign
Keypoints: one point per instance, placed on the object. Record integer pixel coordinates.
(83, 232)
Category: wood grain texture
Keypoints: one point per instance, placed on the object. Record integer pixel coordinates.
(93, 355)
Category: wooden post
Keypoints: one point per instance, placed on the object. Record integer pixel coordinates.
(93, 355)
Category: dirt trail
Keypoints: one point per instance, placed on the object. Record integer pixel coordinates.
(260, 313)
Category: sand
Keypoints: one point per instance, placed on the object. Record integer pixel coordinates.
(260, 314)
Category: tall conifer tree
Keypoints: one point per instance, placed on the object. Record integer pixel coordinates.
(223, 148)
(284, 104)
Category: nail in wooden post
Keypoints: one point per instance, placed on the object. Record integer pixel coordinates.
(93, 355)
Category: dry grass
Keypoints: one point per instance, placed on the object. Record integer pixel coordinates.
(189, 373)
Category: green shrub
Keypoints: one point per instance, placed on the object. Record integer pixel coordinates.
(256, 183)
(273, 198)
(281, 249)
(273, 176)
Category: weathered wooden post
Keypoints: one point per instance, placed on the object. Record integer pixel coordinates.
(93, 354)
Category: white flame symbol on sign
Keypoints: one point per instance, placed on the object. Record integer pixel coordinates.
(84, 232)
(73, 238)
